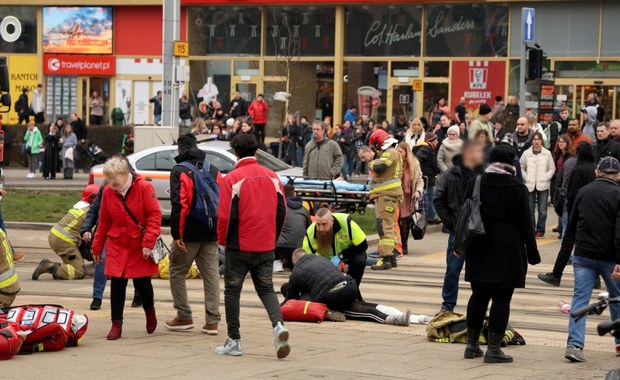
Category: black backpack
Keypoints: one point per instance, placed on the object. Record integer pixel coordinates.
(469, 225)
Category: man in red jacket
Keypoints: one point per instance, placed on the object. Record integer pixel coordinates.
(258, 111)
(251, 215)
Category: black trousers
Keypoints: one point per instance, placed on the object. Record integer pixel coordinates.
(357, 266)
(285, 254)
(561, 261)
(478, 304)
(259, 131)
(118, 291)
(341, 299)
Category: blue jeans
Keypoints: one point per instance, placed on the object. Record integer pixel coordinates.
(564, 220)
(300, 156)
(157, 119)
(541, 198)
(586, 273)
(454, 266)
(347, 166)
(430, 195)
(100, 279)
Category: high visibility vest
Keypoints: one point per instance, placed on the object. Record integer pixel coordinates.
(68, 229)
(347, 233)
(8, 276)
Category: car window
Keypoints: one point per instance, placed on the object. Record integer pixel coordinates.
(269, 161)
(158, 161)
(221, 163)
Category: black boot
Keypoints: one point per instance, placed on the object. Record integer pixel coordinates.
(394, 262)
(494, 352)
(473, 350)
(403, 224)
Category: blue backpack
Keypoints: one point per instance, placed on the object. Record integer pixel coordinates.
(207, 193)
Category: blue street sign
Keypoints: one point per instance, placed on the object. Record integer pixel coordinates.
(527, 18)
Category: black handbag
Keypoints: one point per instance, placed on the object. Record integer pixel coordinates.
(469, 225)
(85, 251)
(418, 224)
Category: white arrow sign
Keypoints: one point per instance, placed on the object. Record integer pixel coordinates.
(527, 16)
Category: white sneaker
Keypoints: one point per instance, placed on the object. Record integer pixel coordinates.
(277, 266)
(30, 175)
(231, 347)
(281, 335)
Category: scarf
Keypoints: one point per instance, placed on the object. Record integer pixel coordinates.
(123, 190)
(501, 168)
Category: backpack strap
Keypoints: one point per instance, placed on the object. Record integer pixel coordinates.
(477, 187)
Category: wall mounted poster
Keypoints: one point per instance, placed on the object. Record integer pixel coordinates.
(77, 30)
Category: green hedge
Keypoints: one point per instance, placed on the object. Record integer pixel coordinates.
(109, 138)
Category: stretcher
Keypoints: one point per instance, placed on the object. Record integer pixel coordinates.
(338, 195)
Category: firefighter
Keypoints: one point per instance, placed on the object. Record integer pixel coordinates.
(9, 285)
(65, 240)
(387, 192)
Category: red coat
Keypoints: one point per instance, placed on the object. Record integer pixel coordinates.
(122, 237)
(258, 111)
(252, 208)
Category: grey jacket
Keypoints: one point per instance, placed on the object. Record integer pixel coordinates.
(322, 160)
(297, 222)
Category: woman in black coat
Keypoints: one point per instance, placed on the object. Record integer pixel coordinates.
(496, 263)
(52, 149)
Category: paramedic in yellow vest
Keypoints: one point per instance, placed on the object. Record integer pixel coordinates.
(64, 239)
(387, 192)
(9, 285)
(338, 238)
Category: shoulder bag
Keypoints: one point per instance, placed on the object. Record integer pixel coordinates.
(469, 225)
(161, 249)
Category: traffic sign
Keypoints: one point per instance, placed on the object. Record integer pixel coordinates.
(417, 85)
(181, 49)
(527, 18)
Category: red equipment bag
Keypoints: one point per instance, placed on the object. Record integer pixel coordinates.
(48, 327)
(303, 311)
(10, 340)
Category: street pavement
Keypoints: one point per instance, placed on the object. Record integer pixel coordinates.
(350, 350)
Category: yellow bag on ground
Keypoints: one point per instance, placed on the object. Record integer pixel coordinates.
(164, 270)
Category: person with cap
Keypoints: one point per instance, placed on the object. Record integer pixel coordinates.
(594, 231)
(387, 192)
(482, 122)
(449, 197)
(497, 262)
(65, 240)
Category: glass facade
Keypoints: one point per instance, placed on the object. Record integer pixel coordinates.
(300, 31)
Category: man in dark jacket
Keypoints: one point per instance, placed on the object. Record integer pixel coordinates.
(605, 146)
(156, 100)
(251, 214)
(448, 200)
(399, 128)
(316, 279)
(594, 230)
(292, 236)
(22, 107)
(82, 134)
(522, 136)
(582, 174)
(427, 156)
(238, 106)
(193, 241)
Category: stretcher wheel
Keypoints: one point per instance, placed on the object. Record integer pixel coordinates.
(361, 210)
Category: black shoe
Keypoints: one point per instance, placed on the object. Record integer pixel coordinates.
(473, 350)
(557, 229)
(597, 284)
(445, 230)
(550, 279)
(96, 304)
(384, 263)
(394, 262)
(137, 301)
(494, 352)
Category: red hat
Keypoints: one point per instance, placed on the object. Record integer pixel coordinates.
(90, 193)
(377, 138)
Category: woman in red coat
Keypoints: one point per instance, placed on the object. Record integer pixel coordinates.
(258, 111)
(129, 245)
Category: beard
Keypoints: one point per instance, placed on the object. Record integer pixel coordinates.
(324, 242)
(572, 131)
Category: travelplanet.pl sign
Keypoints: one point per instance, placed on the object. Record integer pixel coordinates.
(79, 65)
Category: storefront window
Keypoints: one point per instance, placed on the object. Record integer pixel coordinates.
(391, 30)
(209, 79)
(246, 68)
(61, 95)
(365, 81)
(467, 30)
(20, 29)
(432, 93)
(587, 69)
(405, 69)
(437, 69)
(300, 31)
(611, 29)
(224, 30)
(563, 29)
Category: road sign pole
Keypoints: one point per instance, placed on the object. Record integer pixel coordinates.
(522, 79)
(172, 29)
